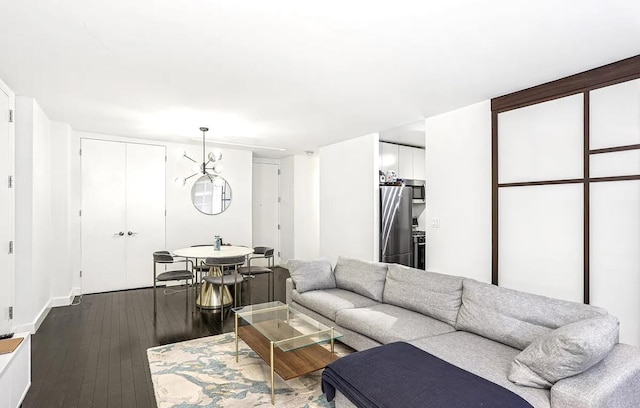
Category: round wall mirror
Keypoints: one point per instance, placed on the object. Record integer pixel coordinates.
(211, 195)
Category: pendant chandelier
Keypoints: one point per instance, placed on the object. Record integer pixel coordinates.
(210, 168)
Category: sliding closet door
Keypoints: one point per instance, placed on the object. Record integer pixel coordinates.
(145, 211)
(103, 216)
(615, 205)
(539, 146)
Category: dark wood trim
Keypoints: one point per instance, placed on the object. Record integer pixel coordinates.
(541, 183)
(586, 247)
(494, 198)
(615, 178)
(610, 74)
(615, 149)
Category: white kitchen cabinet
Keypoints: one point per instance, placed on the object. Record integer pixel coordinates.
(388, 157)
(405, 162)
(408, 162)
(419, 164)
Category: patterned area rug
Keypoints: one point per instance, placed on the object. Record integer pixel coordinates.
(204, 373)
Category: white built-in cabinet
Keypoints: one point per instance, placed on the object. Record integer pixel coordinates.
(123, 213)
(15, 374)
(408, 162)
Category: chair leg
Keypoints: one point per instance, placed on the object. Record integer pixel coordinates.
(221, 302)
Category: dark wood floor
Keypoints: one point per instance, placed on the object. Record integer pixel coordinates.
(94, 354)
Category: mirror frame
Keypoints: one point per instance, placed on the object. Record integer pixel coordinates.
(206, 178)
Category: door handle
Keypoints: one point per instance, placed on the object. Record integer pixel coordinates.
(130, 233)
(119, 234)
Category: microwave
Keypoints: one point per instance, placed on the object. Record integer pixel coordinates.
(417, 190)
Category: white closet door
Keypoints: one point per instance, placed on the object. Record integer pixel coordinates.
(145, 211)
(6, 272)
(266, 212)
(103, 216)
(614, 253)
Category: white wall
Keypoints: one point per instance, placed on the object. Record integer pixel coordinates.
(185, 226)
(287, 204)
(60, 265)
(307, 206)
(33, 214)
(300, 207)
(349, 199)
(459, 192)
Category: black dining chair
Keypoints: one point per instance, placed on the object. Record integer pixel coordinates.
(227, 265)
(250, 272)
(164, 258)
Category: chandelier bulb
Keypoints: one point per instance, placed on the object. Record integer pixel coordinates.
(218, 168)
(180, 181)
(218, 181)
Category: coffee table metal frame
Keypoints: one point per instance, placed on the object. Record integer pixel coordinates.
(274, 329)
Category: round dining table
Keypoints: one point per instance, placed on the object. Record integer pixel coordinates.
(208, 296)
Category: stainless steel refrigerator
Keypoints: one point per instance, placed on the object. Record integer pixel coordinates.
(396, 242)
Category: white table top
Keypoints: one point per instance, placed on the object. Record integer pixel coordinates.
(210, 252)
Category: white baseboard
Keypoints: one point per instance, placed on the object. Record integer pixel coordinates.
(76, 291)
(62, 301)
(33, 327)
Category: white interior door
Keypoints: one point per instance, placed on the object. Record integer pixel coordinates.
(145, 211)
(266, 211)
(6, 270)
(103, 216)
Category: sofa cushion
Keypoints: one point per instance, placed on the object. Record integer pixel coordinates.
(566, 351)
(328, 302)
(388, 323)
(363, 277)
(311, 275)
(515, 318)
(483, 357)
(429, 293)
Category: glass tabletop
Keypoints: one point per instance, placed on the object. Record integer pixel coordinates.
(287, 328)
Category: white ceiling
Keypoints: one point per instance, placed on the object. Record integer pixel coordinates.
(411, 134)
(293, 74)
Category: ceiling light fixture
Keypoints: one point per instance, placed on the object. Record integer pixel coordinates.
(211, 172)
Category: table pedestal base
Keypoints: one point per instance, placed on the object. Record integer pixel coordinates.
(209, 297)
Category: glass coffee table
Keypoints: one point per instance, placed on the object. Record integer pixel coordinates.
(289, 341)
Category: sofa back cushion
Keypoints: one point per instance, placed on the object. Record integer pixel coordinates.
(565, 352)
(311, 275)
(432, 294)
(363, 277)
(515, 318)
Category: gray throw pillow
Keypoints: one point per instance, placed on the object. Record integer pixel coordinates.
(363, 277)
(311, 275)
(564, 352)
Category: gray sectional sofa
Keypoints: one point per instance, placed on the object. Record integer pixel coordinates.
(551, 352)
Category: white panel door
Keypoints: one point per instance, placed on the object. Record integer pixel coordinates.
(541, 240)
(103, 216)
(614, 253)
(266, 212)
(145, 217)
(6, 217)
